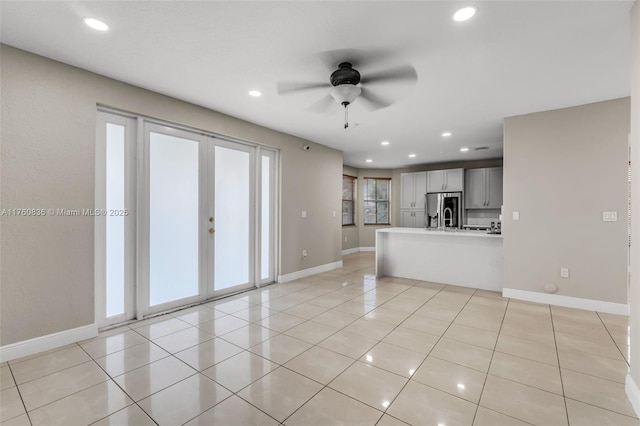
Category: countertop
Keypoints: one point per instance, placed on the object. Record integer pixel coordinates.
(456, 233)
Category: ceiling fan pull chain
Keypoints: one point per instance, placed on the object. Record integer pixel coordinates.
(346, 115)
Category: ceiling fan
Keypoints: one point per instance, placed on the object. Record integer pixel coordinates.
(347, 85)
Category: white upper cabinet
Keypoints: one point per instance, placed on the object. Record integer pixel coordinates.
(494, 187)
(451, 180)
(413, 190)
(483, 188)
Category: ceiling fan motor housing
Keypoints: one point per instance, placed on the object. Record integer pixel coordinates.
(345, 74)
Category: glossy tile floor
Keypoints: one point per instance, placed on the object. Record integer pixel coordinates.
(337, 348)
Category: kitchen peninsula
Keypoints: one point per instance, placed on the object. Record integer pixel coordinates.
(464, 258)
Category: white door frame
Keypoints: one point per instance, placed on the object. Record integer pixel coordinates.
(137, 223)
(100, 222)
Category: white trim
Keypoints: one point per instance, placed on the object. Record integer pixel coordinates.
(633, 393)
(310, 271)
(45, 343)
(357, 249)
(567, 301)
(350, 251)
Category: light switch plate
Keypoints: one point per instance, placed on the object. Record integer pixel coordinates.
(609, 216)
(304, 213)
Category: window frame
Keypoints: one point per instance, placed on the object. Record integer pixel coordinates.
(354, 196)
(387, 200)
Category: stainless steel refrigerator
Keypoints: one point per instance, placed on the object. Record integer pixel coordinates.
(444, 210)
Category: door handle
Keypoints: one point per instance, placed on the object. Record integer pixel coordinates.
(211, 231)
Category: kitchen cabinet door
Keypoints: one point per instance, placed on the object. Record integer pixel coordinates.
(435, 181)
(445, 180)
(475, 189)
(483, 188)
(413, 190)
(494, 187)
(412, 218)
(453, 180)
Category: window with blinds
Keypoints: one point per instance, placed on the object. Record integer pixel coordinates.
(348, 199)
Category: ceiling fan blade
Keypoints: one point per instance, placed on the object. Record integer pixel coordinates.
(323, 105)
(404, 73)
(288, 87)
(372, 101)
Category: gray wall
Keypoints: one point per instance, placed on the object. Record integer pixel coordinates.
(562, 169)
(635, 219)
(47, 160)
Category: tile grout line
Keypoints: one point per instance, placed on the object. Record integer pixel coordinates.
(120, 387)
(555, 342)
(24, 406)
(432, 348)
(493, 351)
(324, 386)
(614, 340)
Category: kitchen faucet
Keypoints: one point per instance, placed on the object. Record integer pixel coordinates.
(444, 213)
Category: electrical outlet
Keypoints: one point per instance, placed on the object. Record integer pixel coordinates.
(564, 272)
(334, 213)
(516, 215)
(304, 213)
(609, 216)
(304, 253)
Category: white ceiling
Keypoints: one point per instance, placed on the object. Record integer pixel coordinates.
(513, 57)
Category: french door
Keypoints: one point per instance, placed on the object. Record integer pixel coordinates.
(204, 223)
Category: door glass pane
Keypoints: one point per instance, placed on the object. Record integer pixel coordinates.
(231, 218)
(173, 217)
(115, 224)
(265, 238)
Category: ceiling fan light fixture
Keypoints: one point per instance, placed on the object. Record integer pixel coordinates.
(344, 94)
(464, 13)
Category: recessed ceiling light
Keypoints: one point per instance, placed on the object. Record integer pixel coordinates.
(96, 24)
(255, 93)
(412, 156)
(369, 160)
(464, 149)
(464, 13)
(446, 134)
(384, 143)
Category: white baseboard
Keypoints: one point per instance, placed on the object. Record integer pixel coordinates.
(357, 250)
(310, 271)
(633, 393)
(567, 301)
(45, 343)
(350, 251)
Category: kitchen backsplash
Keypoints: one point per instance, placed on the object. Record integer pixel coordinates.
(477, 217)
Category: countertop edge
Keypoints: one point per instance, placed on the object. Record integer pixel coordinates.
(422, 231)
